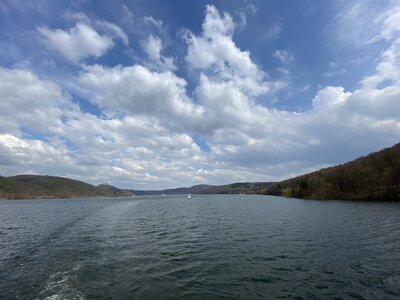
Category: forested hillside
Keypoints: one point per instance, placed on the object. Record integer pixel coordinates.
(374, 177)
(34, 186)
(233, 188)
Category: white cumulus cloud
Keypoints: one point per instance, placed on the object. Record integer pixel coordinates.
(152, 46)
(138, 91)
(78, 42)
(215, 51)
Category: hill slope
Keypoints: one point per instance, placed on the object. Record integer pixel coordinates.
(177, 191)
(34, 186)
(238, 188)
(374, 177)
(233, 188)
(114, 190)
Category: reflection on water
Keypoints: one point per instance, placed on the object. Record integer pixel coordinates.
(208, 247)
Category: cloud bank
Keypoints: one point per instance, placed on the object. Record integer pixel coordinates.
(156, 128)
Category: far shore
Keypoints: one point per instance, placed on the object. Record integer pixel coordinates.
(62, 198)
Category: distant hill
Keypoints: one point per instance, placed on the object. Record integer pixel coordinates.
(238, 188)
(233, 188)
(177, 191)
(114, 190)
(374, 177)
(34, 186)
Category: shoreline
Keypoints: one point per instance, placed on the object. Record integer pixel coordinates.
(62, 198)
(135, 196)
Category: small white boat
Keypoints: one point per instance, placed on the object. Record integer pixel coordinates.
(189, 196)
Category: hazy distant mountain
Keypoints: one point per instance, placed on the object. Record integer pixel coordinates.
(233, 188)
(34, 186)
(374, 177)
(177, 191)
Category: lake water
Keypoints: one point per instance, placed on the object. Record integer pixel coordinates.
(209, 247)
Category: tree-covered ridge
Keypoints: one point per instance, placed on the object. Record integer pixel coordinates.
(34, 186)
(374, 177)
(233, 188)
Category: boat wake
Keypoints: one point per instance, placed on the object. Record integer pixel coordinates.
(62, 285)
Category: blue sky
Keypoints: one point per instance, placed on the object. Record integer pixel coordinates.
(156, 94)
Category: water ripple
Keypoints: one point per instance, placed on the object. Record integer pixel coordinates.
(211, 247)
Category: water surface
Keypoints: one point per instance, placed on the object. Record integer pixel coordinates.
(209, 247)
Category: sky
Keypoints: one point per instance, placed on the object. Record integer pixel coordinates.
(162, 94)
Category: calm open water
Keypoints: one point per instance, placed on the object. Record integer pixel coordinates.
(209, 247)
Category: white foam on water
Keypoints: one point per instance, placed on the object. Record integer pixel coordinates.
(52, 297)
(392, 279)
(61, 286)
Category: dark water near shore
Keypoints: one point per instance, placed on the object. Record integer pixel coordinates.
(209, 247)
